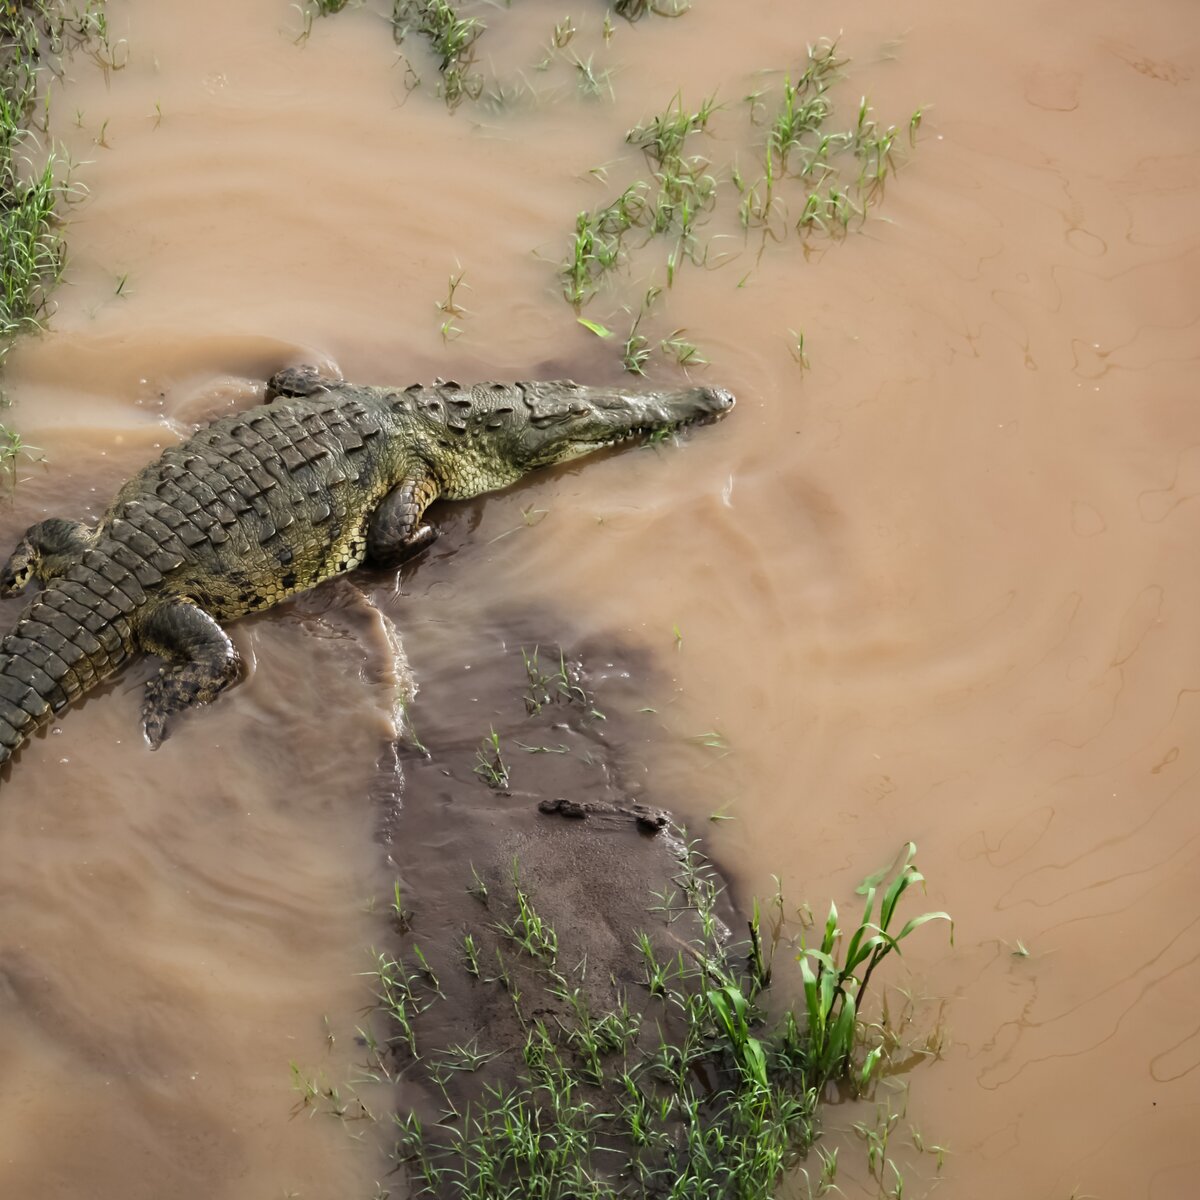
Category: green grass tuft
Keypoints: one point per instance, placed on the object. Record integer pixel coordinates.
(452, 39)
(812, 174)
(34, 182)
(31, 251)
(693, 1087)
(489, 763)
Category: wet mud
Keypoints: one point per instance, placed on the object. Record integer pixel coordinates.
(530, 767)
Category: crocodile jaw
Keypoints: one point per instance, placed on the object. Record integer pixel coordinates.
(614, 418)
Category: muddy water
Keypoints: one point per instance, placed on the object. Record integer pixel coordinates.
(940, 587)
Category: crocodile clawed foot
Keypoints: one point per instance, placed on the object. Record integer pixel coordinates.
(205, 664)
(174, 690)
(154, 713)
(421, 540)
(155, 730)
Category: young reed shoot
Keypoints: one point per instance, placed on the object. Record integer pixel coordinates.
(489, 763)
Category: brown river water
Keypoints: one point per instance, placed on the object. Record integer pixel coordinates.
(942, 585)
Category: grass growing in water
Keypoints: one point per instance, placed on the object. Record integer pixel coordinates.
(688, 1089)
(452, 39)
(812, 174)
(562, 683)
(32, 182)
(31, 251)
(683, 190)
(802, 169)
(489, 763)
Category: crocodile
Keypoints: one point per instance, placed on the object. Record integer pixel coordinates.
(321, 478)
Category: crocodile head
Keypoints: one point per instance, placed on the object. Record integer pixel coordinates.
(496, 434)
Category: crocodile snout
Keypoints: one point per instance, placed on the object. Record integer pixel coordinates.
(707, 404)
(720, 400)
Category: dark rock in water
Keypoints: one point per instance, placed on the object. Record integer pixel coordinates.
(647, 818)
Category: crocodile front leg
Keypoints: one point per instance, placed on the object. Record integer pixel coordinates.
(202, 663)
(395, 533)
(297, 381)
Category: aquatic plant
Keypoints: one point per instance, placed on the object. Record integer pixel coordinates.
(814, 175)
(34, 182)
(31, 253)
(695, 1088)
(452, 39)
(489, 762)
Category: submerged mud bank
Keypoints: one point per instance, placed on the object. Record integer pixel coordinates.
(545, 992)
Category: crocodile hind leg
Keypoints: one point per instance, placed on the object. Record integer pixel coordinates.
(395, 533)
(202, 663)
(46, 551)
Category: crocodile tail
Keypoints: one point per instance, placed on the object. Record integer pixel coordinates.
(73, 636)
